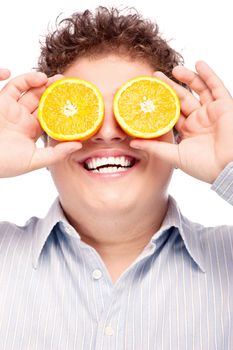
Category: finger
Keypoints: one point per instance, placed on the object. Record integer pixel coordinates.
(4, 74)
(165, 151)
(180, 123)
(44, 157)
(31, 98)
(19, 85)
(188, 103)
(194, 81)
(37, 129)
(211, 79)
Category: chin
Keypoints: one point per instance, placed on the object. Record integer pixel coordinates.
(112, 201)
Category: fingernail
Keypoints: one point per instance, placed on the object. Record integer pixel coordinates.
(58, 76)
(76, 147)
(41, 75)
(135, 145)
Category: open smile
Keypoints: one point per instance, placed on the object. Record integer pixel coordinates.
(113, 165)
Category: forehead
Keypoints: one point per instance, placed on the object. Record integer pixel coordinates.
(108, 73)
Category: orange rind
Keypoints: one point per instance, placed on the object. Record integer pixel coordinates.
(146, 107)
(71, 109)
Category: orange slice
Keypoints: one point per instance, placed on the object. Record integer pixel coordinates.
(146, 107)
(71, 109)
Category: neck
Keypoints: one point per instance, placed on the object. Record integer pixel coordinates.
(119, 239)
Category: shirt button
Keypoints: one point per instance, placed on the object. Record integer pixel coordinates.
(108, 330)
(96, 274)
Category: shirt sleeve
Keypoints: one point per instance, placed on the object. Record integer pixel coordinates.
(223, 185)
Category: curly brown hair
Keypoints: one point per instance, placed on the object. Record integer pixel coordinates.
(106, 31)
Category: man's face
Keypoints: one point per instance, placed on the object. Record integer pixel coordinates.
(143, 184)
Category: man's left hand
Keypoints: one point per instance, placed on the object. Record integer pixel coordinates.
(205, 125)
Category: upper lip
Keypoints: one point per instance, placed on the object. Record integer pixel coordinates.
(108, 153)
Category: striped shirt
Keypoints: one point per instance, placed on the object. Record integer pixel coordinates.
(56, 293)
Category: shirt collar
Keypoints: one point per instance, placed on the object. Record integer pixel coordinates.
(174, 218)
(191, 233)
(44, 227)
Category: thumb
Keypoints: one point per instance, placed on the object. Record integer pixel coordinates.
(44, 157)
(4, 74)
(166, 151)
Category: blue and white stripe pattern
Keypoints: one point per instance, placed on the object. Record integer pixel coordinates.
(55, 292)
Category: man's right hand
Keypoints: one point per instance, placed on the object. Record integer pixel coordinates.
(20, 128)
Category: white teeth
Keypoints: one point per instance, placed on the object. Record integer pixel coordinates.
(93, 163)
(111, 160)
(112, 169)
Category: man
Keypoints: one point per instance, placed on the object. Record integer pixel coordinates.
(115, 265)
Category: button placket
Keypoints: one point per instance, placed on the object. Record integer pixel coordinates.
(97, 274)
(108, 330)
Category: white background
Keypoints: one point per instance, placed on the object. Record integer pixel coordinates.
(197, 29)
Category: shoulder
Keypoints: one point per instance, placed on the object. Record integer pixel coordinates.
(216, 242)
(14, 235)
(219, 233)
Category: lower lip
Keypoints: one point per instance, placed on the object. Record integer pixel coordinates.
(118, 174)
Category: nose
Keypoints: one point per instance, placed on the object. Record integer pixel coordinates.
(110, 131)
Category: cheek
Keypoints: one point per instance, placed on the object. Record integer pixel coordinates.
(168, 137)
(51, 142)
(159, 173)
(163, 169)
(56, 168)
